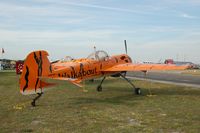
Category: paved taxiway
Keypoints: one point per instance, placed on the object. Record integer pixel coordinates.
(168, 77)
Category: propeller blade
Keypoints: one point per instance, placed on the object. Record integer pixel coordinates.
(125, 46)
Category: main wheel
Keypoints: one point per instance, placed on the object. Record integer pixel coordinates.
(137, 91)
(99, 88)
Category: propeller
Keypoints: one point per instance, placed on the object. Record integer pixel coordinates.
(125, 46)
(126, 49)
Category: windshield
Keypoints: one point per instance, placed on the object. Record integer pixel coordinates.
(66, 59)
(98, 55)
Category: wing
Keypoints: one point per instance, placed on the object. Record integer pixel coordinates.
(144, 67)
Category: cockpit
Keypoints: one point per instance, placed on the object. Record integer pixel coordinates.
(66, 59)
(98, 55)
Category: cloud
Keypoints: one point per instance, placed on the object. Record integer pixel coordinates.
(185, 15)
(57, 8)
(87, 4)
(67, 25)
(9, 10)
(38, 36)
(106, 8)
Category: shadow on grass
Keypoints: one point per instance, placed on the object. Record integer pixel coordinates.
(128, 100)
(124, 99)
(119, 98)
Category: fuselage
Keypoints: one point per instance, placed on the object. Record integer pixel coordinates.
(85, 68)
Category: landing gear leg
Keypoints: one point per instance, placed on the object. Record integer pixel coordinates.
(99, 87)
(36, 98)
(136, 90)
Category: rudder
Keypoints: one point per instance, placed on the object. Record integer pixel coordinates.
(36, 65)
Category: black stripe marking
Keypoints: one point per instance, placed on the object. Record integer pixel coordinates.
(72, 72)
(81, 67)
(26, 78)
(39, 63)
(36, 84)
(50, 68)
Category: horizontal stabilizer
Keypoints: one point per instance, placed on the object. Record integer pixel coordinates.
(73, 81)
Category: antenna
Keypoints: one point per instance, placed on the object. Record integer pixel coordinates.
(125, 46)
(95, 49)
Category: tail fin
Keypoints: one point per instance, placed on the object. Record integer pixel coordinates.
(36, 65)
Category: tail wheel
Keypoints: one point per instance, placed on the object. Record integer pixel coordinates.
(33, 103)
(99, 88)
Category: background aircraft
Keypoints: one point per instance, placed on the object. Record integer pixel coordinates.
(37, 68)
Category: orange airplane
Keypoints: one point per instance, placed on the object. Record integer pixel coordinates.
(37, 68)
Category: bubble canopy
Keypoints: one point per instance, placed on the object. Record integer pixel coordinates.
(98, 55)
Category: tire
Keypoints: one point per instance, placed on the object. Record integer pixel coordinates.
(33, 103)
(138, 91)
(99, 88)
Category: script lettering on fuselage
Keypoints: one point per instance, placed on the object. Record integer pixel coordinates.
(80, 74)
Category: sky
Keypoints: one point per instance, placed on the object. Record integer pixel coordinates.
(154, 29)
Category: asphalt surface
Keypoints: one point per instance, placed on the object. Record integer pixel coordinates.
(167, 77)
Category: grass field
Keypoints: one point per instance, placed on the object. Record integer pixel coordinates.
(66, 108)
